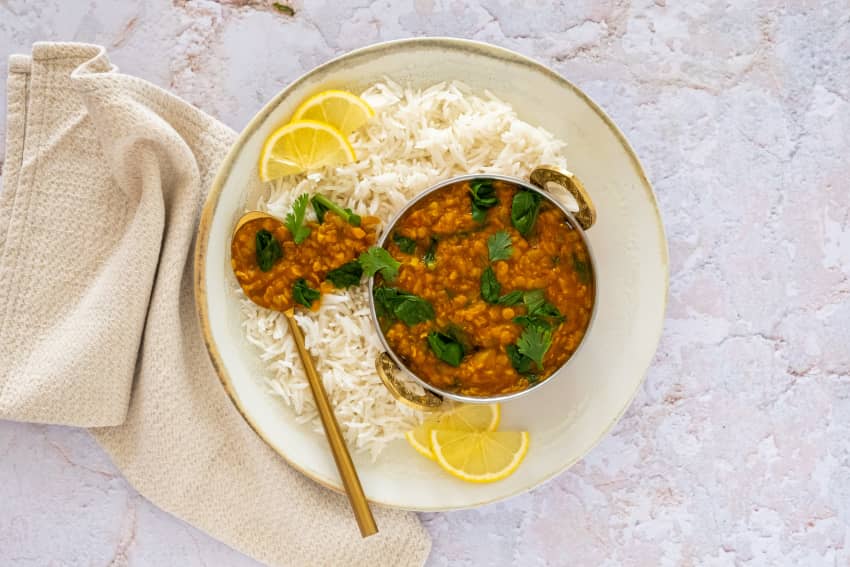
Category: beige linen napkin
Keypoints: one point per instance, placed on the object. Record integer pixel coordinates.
(103, 180)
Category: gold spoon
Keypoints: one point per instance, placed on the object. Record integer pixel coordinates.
(342, 457)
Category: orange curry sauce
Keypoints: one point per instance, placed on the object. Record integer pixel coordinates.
(552, 258)
(329, 246)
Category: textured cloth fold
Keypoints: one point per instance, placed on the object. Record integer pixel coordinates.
(103, 181)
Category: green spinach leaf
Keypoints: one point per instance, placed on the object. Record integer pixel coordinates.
(304, 294)
(405, 244)
(520, 362)
(511, 298)
(347, 275)
(410, 309)
(490, 286)
(446, 347)
(483, 195)
(268, 250)
(524, 209)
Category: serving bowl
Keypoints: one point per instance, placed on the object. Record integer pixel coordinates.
(541, 181)
(566, 419)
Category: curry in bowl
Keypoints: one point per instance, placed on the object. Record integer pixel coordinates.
(494, 289)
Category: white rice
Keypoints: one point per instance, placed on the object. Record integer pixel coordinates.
(416, 139)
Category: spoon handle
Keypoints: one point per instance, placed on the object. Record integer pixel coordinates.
(347, 472)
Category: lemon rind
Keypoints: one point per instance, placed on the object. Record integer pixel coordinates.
(319, 98)
(273, 138)
(481, 479)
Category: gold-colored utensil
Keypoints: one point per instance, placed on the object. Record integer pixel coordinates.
(344, 464)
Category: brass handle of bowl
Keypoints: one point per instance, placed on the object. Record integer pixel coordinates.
(387, 368)
(545, 174)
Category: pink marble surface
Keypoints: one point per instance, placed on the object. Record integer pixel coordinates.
(737, 449)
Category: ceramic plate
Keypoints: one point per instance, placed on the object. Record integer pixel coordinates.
(567, 418)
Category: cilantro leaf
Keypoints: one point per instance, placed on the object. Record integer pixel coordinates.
(490, 286)
(405, 244)
(446, 347)
(294, 221)
(549, 311)
(499, 246)
(524, 209)
(347, 275)
(539, 312)
(537, 305)
(268, 250)
(533, 299)
(377, 259)
(534, 342)
(410, 309)
(532, 321)
(483, 195)
(304, 294)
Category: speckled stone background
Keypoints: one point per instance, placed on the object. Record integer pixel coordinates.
(737, 449)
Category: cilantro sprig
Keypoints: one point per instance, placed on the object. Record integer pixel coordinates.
(499, 246)
(322, 205)
(540, 320)
(539, 312)
(377, 259)
(294, 221)
(534, 342)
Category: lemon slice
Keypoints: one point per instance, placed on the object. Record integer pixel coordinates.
(463, 418)
(471, 417)
(342, 110)
(479, 456)
(420, 438)
(303, 145)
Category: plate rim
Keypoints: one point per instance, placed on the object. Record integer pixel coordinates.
(223, 173)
